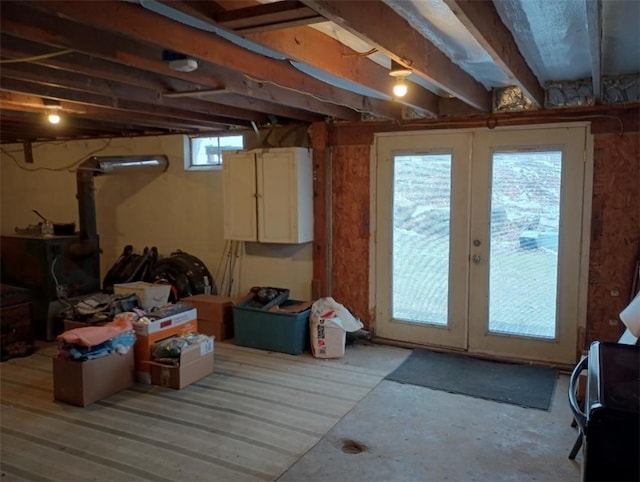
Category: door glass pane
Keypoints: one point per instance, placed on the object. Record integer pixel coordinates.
(421, 212)
(523, 264)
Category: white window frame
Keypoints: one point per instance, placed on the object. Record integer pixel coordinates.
(193, 159)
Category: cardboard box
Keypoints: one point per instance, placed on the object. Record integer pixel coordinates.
(215, 316)
(150, 295)
(148, 334)
(196, 362)
(82, 383)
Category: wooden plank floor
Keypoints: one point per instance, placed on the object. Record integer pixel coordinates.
(251, 419)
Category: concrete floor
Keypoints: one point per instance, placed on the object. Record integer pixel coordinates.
(411, 433)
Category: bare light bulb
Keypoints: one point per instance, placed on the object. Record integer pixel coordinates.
(53, 118)
(400, 88)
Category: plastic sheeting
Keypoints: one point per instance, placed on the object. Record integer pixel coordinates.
(552, 36)
(435, 21)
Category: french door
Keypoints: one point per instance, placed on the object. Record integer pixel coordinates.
(479, 240)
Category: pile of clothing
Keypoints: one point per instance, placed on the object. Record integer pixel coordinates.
(93, 342)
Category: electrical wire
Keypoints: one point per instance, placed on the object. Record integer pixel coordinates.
(59, 288)
(68, 168)
(35, 58)
(309, 94)
(361, 54)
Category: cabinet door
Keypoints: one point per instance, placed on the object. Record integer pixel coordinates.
(239, 196)
(277, 196)
(285, 195)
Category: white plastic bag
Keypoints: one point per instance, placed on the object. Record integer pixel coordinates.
(328, 323)
(330, 308)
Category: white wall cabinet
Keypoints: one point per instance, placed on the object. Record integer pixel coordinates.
(268, 195)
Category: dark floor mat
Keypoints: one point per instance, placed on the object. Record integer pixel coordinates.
(525, 385)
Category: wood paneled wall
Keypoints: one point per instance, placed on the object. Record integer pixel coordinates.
(615, 232)
(615, 244)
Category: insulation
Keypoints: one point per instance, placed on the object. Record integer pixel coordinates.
(510, 99)
(552, 36)
(620, 37)
(435, 21)
(569, 93)
(621, 89)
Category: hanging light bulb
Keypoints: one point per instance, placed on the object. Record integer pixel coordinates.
(53, 110)
(400, 73)
(400, 87)
(53, 117)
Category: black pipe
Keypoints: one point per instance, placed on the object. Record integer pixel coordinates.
(87, 199)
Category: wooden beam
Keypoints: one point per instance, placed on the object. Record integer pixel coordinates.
(27, 23)
(120, 120)
(40, 74)
(322, 52)
(33, 121)
(241, 108)
(384, 29)
(594, 31)
(18, 125)
(322, 208)
(16, 48)
(482, 21)
(135, 22)
(171, 115)
(268, 16)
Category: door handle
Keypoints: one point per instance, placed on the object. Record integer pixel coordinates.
(476, 259)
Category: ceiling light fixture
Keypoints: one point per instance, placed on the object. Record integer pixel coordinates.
(53, 110)
(179, 62)
(400, 73)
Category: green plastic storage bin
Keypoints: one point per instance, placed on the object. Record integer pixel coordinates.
(269, 330)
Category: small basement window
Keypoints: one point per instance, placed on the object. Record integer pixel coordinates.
(206, 152)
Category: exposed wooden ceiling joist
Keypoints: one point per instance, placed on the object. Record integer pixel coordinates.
(143, 26)
(594, 30)
(104, 100)
(115, 56)
(17, 122)
(269, 16)
(17, 48)
(326, 54)
(383, 28)
(100, 103)
(483, 22)
(117, 90)
(238, 108)
(107, 62)
(322, 52)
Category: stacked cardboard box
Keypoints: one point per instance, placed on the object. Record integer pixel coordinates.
(194, 363)
(148, 334)
(84, 382)
(215, 317)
